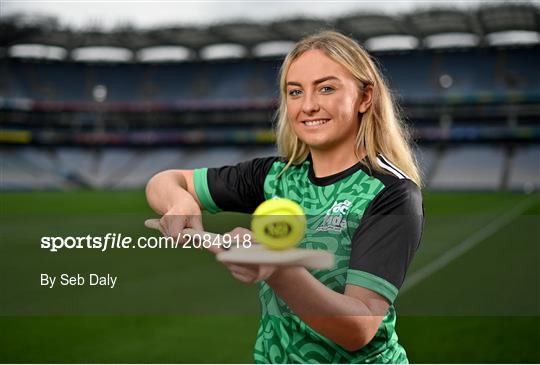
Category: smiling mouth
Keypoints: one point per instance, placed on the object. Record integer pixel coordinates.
(315, 123)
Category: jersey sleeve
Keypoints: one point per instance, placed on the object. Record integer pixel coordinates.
(238, 188)
(387, 238)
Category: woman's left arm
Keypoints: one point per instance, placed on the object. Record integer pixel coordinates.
(350, 319)
(382, 249)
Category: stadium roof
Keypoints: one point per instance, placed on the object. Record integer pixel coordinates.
(366, 27)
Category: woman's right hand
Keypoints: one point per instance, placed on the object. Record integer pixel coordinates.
(172, 194)
(180, 217)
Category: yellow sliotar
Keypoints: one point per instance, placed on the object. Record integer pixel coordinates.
(278, 224)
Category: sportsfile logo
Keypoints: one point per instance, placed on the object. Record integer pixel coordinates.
(335, 218)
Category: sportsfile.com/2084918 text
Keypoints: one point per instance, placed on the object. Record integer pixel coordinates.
(120, 241)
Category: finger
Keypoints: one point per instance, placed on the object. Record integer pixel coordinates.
(173, 225)
(242, 278)
(232, 232)
(240, 231)
(177, 225)
(164, 225)
(264, 272)
(215, 249)
(215, 240)
(152, 224)
(195, 222)
(155, 224)
(247, 267)
(242, 270)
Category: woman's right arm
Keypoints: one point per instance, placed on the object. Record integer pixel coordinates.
(172, 194)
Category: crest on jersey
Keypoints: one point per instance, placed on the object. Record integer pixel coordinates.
(335, 219)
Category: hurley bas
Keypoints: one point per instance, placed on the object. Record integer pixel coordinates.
(79, 280)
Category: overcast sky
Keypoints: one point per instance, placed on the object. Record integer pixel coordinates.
(159, 13)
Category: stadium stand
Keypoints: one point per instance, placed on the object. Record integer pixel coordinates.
(19, 173)
(147, 163)
(522, 86)
(525, 170)
(115, 163)
(115, 168)
(477, 76)
(426, 157)
(457, 168)
(469, 167)
(474, 108)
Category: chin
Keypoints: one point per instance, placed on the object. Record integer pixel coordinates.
(318, 144)
(310, 139)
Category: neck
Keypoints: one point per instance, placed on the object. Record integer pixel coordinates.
(326, 163)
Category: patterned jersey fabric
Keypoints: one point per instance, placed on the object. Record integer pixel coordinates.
(372, 223)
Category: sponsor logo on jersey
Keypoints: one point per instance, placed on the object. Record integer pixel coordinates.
(335, 219)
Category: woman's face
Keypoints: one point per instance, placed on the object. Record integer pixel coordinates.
(323, 101)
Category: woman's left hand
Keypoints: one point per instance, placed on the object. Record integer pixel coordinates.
(248, 273)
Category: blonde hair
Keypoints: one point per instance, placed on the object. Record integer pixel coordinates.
(380, 131)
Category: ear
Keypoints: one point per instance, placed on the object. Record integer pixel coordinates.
(367, 96)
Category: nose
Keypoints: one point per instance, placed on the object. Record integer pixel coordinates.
(310, 104)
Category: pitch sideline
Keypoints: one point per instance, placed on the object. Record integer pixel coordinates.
(466, 245)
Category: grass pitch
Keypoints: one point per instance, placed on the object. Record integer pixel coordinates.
(480, 303)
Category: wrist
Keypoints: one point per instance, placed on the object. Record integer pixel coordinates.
(282, 273)
(184, 207)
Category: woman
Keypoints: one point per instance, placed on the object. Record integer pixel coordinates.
(346, 161)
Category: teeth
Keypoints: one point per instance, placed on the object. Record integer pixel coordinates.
(315, 122)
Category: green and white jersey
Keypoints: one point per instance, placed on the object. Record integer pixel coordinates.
(371, 222)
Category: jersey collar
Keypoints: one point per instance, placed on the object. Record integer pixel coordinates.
(331, 179)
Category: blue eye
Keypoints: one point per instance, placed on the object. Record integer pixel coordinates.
(294, 92)
(327, 89)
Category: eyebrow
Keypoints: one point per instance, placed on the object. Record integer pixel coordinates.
(318, 81)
